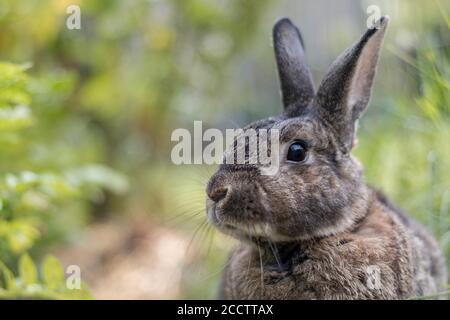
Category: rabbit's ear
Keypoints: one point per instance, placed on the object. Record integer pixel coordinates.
(345, 90)
(295, 78)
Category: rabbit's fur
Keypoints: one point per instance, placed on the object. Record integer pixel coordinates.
(315, 230)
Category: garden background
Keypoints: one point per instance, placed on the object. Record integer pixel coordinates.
(86, 117)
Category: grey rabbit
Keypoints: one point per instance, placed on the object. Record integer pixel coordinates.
(315, 230)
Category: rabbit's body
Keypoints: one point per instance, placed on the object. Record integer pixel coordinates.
(384, 256)
(314, 229)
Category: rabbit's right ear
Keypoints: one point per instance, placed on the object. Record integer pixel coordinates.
(344, 93)
(295, 78)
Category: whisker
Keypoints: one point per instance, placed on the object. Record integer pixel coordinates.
(262, 271)
(250, 256)
(199, 227)
(212, 234)
(274, 250)
(184, 216)
(204, 234)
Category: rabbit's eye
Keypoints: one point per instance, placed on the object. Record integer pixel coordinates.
(296, 152)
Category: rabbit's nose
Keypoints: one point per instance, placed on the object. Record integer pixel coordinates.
(217, 194)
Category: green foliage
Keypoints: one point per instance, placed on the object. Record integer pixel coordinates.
(29, 285)
(109, 93)
(32, 192)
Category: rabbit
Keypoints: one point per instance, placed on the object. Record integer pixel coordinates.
(315, 230)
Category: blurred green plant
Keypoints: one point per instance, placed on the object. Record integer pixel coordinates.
(29, 284)
(108, 93)
(33, 193)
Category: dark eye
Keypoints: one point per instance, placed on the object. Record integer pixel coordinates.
(296, 152)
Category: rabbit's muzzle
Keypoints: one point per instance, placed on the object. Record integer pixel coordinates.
(233, 204)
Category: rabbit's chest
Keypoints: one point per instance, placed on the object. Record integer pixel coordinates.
(325, 272)
(249, 277)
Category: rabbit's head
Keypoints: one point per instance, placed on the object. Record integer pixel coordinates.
(318, 189)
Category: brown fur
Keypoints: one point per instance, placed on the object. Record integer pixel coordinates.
(315, 230)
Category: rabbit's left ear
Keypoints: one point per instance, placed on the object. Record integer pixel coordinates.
(345, 91)
(297, 87)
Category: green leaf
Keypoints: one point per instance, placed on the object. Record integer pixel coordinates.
(8, 277)
(52, 272)
(27, 270)
(20, 234)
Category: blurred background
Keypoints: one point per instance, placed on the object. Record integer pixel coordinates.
(86, 117)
